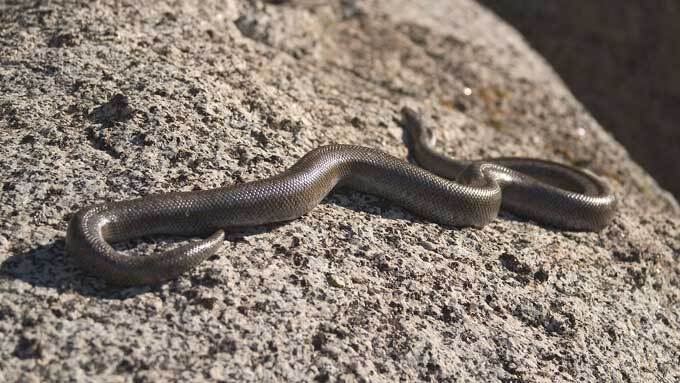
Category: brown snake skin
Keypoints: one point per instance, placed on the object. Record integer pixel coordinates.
(449, 192)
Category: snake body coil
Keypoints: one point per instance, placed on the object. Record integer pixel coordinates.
(459, 193)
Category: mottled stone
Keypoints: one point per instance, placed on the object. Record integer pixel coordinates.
(146, 97)
(621, 60)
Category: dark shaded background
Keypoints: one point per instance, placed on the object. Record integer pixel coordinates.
(622, 61)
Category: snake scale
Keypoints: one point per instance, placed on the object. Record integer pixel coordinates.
(444, 190)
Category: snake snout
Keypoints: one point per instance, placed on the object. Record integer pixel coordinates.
(419, 132)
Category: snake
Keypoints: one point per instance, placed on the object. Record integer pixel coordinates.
(442, 189)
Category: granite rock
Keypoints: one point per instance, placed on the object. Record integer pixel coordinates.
(621, 61)
(110, 100)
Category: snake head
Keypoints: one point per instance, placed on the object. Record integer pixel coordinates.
(414, 125)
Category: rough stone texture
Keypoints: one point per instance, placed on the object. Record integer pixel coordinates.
(621, 60)
(112, 100)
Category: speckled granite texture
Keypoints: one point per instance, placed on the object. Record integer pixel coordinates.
(621, 60)
(112, 100)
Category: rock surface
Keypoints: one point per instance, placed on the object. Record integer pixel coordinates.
(118, 99)
(621, 62)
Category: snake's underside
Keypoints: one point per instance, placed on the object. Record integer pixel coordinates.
(444, 190)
